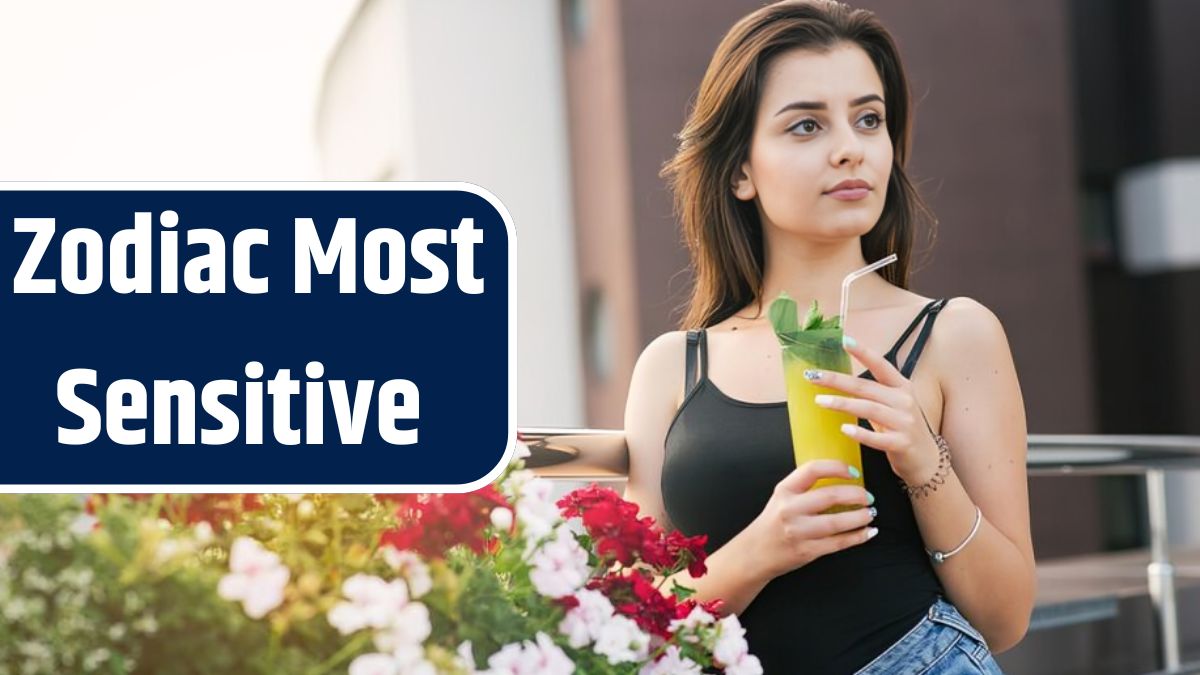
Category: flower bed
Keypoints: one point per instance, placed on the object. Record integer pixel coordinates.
(498, 581)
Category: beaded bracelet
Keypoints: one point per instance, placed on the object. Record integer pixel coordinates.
(939, 476)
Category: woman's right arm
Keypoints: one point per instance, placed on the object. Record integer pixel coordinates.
(789, 532)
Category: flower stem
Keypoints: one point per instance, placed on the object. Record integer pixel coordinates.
(342, 654)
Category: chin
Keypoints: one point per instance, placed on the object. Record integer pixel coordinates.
(849, 225)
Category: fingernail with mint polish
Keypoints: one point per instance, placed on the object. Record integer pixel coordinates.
(854, 472)
(870, 499)
(848, 341)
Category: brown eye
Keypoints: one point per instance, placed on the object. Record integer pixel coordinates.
(807, 126)
(876, 120)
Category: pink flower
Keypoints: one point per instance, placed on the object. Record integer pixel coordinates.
(622, 641)
(530, 658)
(560, 566)
(373, 603)
(583, 623)
(256, 577)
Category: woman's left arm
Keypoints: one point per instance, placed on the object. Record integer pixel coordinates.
(992, 580)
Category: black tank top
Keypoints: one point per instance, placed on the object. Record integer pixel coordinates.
(723, 458)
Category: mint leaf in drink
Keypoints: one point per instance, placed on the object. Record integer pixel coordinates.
(812, 320)
(817, 341)
(782, 314)
(832, 323)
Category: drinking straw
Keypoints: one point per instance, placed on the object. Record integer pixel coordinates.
(853, 276)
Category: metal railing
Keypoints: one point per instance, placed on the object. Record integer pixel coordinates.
(601, 454)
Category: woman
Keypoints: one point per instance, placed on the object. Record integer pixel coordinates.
(789, 175)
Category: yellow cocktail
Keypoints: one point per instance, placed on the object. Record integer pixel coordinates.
(815, 343)
(816, 431)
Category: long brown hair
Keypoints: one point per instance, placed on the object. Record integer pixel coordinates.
(722, 233)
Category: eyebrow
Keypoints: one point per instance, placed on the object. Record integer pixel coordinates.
(816, 105)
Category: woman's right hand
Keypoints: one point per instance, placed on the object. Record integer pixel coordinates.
(791, 531)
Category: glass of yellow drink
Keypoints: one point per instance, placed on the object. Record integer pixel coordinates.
(814, 343)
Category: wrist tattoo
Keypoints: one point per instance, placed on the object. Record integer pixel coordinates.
(939, 475)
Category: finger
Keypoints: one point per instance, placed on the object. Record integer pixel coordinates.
(839, 542)
(804, 476)
(820, 499)
(878, 413)
(817, 527)
(855, 386)
(881, 368)
(889, 441)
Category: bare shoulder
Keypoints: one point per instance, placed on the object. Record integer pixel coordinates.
(654, 396)
(660, 366)
(967, 323)
(969, 342)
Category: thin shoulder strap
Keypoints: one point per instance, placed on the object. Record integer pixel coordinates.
(922, 337)
(894, 351)
(697, 351)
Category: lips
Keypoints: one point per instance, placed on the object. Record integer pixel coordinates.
(852, 184)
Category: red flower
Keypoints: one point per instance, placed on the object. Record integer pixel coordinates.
(691, 548)
(431, 524)
(636, 597)
(620, 535)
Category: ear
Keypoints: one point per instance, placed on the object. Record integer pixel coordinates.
(743, 184)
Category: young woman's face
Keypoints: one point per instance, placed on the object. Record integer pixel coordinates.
(820, 122)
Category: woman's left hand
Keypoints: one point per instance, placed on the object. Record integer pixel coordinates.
(890, 405)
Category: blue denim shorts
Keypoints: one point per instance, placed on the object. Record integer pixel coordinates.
(943, 643)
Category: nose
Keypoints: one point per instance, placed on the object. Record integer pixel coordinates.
(847, 148)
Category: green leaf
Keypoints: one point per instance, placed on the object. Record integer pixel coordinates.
(782, 314)
(832, 323)
(681, 592)
(812, 320)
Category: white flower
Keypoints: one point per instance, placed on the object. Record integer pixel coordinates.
(83, 524)
(621, 641)
(374, 603)
(466, 658)
(146, 624)
(256, 577)
(515, 481)
(747, 665)
(560, 566)
(203, 532)
(582, 624)
(536, 510)
(96, 658)
(730, 647)
(169, 549)
(502, 518)
(421, 667)
(671, 663)
(408, 629)
(412, 568)
(529, 658)
(374, 664)
(696, 618)
(521, 451)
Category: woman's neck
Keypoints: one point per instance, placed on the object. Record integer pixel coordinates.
(809, 271)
